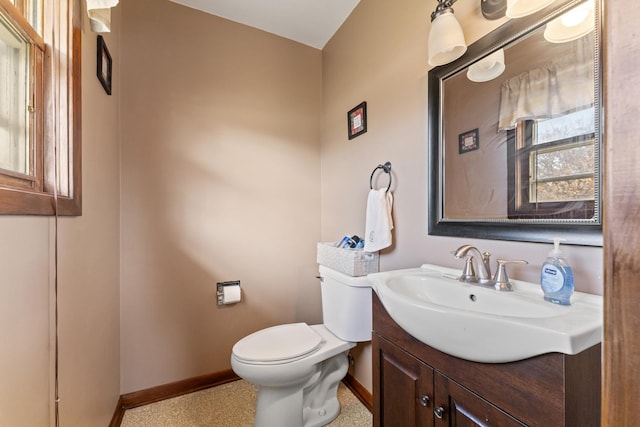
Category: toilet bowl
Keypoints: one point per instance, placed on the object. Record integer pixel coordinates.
(297, 368)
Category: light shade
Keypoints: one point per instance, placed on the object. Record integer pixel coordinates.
(487, 68)
(520, 8)
(446, 39)
(99, 12)
(572, 25)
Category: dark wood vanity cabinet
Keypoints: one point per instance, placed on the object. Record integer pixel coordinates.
(403, 387)
(417, 385)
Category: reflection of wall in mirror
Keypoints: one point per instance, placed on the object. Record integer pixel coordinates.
(475, 183)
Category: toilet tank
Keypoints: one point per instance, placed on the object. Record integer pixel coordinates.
(346, 305)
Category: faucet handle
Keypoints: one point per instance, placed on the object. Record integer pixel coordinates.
(501, 279)
(469, 273)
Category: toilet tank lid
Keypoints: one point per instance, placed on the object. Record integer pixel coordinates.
(357, 282)
(278, 343)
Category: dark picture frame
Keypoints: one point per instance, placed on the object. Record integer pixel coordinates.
(468, 141)
(357, 120)
(104, 65)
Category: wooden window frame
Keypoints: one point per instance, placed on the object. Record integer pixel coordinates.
(57, 186)
(518, 170)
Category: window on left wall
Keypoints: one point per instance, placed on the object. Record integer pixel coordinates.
(40, 128)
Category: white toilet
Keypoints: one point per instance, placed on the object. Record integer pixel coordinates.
(296, 367)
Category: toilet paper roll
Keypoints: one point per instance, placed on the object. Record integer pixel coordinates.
(231, 294)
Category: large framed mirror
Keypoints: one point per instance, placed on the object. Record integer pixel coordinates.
(515, 131)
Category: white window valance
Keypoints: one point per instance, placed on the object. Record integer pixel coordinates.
(99, 12)
(555, 89)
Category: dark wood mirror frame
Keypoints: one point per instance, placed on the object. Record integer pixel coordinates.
(575, 232)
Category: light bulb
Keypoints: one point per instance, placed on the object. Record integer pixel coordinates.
(572, 25)
(576, 16)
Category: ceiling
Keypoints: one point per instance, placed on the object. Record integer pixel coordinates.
(311, 22)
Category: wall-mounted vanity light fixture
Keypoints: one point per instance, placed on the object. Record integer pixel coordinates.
(446, 38)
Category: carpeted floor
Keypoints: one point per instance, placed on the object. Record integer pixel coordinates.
(229, 405)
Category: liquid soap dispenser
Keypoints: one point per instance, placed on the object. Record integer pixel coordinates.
(556, 277)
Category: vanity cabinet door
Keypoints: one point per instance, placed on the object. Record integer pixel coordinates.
(402, 387)
(456, 406)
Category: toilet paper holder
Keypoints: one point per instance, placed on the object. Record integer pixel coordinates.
(228, 292)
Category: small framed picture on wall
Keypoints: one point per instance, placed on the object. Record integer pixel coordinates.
(468, 141)
(104, 65)
(357, 120)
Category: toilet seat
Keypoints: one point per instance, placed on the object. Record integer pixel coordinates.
(278, 344)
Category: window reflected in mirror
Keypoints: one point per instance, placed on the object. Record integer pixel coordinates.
(552, 171)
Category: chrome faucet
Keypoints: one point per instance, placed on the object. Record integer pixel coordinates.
(483, 277)
(481, 274)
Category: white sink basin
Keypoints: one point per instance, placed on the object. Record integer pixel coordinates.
(485, 325)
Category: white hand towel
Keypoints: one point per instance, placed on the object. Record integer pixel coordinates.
(379, 223)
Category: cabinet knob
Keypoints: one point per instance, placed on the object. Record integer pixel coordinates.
(439, 412)
(424, 400)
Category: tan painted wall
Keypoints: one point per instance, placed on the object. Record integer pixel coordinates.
(220, 181)
(88, 277)
(24, 321)
(380, 56)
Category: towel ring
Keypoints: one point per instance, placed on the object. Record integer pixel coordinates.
(387, 169)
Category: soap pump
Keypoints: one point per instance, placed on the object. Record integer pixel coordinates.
(556, 277)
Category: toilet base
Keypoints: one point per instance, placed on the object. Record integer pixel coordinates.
(322, 416)
(313, 404)
(278, 407)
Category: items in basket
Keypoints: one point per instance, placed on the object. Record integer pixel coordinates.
(353, 242)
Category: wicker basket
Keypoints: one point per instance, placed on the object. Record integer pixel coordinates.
(353, 262)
